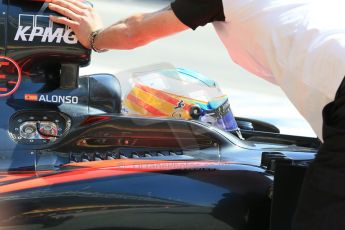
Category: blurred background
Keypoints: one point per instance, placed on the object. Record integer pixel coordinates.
(202, 51)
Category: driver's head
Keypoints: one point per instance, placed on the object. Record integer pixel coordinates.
(178, 94)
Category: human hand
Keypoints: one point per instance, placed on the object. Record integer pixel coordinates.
(80, 17)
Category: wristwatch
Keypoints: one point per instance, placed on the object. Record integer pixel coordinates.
(92, 40)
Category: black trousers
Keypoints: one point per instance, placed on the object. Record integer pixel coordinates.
(321, 204)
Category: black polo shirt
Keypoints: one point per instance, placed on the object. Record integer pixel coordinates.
(195, 13)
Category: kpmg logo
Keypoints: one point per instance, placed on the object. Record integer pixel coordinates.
(32, 27)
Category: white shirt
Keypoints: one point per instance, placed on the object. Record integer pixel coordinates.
(296, 44)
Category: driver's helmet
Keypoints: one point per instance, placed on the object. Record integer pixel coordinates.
(180, 94)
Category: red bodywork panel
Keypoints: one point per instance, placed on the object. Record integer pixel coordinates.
(91, 170)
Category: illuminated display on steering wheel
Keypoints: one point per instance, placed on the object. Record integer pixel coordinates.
(10, 76)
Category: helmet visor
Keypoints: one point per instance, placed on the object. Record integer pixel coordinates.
(221, 117)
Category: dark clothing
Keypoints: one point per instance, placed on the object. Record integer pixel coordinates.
(322, 201)
(195, 13)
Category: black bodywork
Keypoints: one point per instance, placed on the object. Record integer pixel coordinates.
(98, 169)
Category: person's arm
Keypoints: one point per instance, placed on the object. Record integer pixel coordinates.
(135, 31)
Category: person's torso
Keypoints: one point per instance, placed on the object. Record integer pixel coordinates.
(297, 44)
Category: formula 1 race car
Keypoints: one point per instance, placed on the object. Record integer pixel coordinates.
(77, 153)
